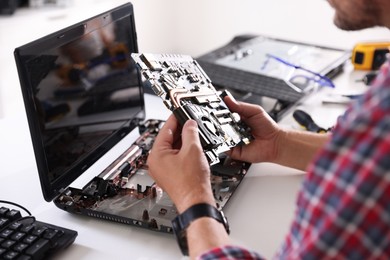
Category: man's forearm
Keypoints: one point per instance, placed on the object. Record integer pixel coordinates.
(204, 234)
(296, 149)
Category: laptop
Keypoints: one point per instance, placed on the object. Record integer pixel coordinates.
(274, 73)
(84, 96)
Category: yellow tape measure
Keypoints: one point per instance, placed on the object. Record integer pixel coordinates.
(369, 55)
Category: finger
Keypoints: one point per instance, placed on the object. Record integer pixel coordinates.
(177, 137)
(245, 110)
(236, 152)
(232, 103)
(190, 134)
(165, 137)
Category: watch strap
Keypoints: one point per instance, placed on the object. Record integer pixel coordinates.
(182, 221)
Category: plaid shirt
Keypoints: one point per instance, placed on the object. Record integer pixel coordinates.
(343, 208)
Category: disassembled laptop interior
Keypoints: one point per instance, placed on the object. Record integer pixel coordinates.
(125, 193)
(124, 190)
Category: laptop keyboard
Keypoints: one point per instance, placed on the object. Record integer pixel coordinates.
(25, 238)
(249, 82)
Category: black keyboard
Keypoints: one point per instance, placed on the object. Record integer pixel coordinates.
(245, 81)
(25, 238)
(249, 82)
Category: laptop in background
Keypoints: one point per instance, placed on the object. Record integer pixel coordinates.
(274, 73)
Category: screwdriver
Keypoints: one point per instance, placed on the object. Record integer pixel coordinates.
(305, 120)
(368, 78)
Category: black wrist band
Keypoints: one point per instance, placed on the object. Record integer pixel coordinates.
(182, 221)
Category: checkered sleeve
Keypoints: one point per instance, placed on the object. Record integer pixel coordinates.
(230, 252)
(343, 208)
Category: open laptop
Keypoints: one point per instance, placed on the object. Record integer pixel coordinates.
(83, 95)
(274, 73)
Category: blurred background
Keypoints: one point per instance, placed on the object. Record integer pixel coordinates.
(191, 27)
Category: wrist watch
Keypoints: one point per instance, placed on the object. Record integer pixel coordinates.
(182, 221)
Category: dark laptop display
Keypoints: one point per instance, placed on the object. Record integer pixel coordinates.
(80, 90)
(83, 95)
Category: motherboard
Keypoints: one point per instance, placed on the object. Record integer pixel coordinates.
(188, 92)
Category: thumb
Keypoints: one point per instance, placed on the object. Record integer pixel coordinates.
(232, 103)
(190, 134)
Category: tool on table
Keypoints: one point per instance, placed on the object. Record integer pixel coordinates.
(305, 120)
(369, 55)
(368, 78)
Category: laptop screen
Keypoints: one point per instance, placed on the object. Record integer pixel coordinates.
(82, 92)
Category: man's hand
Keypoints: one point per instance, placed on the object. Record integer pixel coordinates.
(272, 143)
(264, 130)
(179, 166)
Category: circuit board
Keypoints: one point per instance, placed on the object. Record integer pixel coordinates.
(187, 91)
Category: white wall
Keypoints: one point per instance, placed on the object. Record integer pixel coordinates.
(208, 24)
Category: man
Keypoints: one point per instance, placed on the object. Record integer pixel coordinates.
(344, 205)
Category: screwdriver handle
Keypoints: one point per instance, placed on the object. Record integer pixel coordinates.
(305, 120)
(369, 78)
